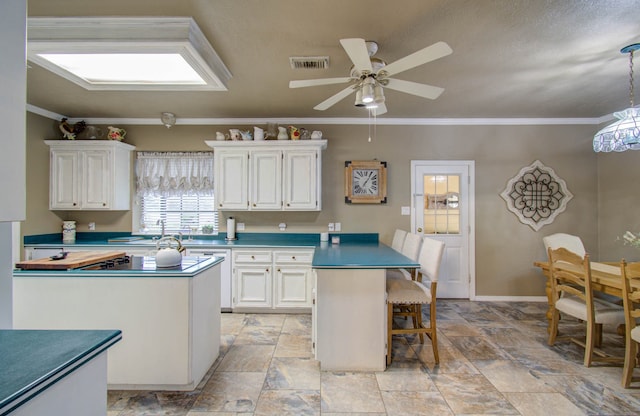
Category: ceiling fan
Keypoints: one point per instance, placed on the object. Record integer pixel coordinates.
(369, 75)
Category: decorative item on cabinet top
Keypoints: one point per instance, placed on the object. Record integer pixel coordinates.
(81, 131)
(272, 132)
(274, 144)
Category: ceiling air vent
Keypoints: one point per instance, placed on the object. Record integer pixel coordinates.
(309, 62)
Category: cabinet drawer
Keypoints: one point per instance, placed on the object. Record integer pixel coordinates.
(251, 257)
(293, 257)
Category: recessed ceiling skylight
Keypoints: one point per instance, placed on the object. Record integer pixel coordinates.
(127, 68)
(157, 53)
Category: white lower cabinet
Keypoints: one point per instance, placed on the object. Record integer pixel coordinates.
(271, 279)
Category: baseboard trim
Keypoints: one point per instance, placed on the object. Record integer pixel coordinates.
(510, 299)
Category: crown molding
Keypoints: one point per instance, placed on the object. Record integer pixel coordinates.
(333, 120)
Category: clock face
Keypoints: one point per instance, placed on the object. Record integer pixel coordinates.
(365, 181)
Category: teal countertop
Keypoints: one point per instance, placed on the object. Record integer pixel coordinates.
(33, 360)
(88, 239)
(145, 268)
(355, 251)
(360, 256)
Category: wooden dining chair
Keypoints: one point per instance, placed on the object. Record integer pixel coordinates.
(411, 249)
(572, 243)
(571, 294)
(631, 300)
(406, 297)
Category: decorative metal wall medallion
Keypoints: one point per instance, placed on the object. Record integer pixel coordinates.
(536, 195)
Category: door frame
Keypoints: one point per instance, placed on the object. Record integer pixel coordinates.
(471, 255)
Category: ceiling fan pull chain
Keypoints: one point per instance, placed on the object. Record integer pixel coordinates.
(631, 78)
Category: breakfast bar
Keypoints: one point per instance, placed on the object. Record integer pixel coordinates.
(349, 314)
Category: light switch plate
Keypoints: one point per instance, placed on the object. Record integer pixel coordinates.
(338, 227)
(332, 226)
(405, 211)
(240, 226)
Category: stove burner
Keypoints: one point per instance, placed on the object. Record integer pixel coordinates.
(113, 263)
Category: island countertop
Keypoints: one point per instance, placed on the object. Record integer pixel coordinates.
(141, 267)
(33, 360)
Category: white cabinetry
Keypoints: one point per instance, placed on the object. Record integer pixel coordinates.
(89, 175)
(268, 175)
(252, 279)
(271, 279)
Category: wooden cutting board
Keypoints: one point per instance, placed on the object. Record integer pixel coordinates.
(73, 260)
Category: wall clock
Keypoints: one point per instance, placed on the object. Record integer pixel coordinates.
(365, 182)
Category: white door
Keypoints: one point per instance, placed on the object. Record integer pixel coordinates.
(443, 209)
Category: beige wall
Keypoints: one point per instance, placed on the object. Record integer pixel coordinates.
(505, 248)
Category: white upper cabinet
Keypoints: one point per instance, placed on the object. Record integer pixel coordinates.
(268, 175)
(89, 175)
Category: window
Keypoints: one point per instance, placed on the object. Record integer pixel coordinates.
(175, 188)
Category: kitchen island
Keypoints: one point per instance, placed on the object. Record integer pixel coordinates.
(170, 318)
(349, 314)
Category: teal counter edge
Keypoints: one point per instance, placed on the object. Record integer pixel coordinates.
(58, 352)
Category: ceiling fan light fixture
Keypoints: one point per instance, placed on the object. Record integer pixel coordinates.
(359, 102)
(367, 90)
(624, 134)
(378, 94)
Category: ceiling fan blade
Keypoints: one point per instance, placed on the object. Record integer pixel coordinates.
(334, 99)
(319, 81)
(421, 90)
(358, 53)
(428, 54)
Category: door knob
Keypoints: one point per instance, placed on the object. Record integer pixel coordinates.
(419, 229)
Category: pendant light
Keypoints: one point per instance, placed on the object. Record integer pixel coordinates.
(624, 134)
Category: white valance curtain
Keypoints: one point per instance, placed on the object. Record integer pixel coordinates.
(174, 173)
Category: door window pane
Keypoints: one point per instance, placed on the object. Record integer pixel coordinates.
(441, 204)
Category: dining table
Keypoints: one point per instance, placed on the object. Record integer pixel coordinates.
(606, 277)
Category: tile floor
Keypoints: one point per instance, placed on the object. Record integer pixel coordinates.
(493, 360)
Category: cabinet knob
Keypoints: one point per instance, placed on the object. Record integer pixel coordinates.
(278, 270)
(266, 270)
(104, 204)
(220, 205)
(293, 257)
(74, 204)
(288, 204)
(253, 258)
(254, 204)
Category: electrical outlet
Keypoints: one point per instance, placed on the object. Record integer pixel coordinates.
(405, 211)
(92, 226)
(240, 226)
(338, 227)
(332, 226)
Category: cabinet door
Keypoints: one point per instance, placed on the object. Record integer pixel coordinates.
(292, 287)
(266, 180)
(231, 179)
(96, 179)
(252, 287)
(64, 180)
(301, 180)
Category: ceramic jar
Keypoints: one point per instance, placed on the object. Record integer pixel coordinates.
(68, 231)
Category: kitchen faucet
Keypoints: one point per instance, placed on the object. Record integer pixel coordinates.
(161, 223)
